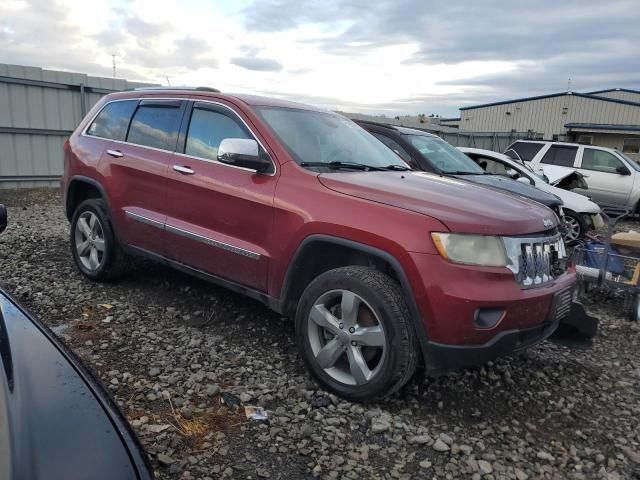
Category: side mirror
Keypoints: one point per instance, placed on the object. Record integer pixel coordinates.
(524, 180)
(3, 218)
(243, 152)
(622, 170)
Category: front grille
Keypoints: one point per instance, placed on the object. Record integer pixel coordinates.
(536, 261)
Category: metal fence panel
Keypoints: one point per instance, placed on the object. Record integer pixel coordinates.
(38, 110)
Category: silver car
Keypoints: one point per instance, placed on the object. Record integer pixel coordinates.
(613, 178)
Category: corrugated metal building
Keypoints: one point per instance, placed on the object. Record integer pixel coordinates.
(606, 117)
(38, 110)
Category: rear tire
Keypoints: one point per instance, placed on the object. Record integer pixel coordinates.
(94, 246)
(355, 333)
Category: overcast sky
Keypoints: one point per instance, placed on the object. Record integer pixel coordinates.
(392, 57)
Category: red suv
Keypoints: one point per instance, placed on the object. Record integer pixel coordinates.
(303, 210)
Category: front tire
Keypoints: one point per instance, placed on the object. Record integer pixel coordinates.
(94, 246)
(355, 333)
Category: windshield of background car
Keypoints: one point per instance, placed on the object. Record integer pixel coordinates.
(634, 163)
(443, 156)
(532, 173)
(312, 136)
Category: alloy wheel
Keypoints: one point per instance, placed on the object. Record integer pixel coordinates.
(89, 241)
(346, 337)
(572, 229)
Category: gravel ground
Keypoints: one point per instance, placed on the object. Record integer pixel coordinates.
(167, 346)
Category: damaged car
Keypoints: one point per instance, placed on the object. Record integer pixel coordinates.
(580, 213)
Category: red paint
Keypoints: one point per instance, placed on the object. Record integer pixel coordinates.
(271, 216)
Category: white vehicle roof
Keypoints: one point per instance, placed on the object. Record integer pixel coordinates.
(568, 144)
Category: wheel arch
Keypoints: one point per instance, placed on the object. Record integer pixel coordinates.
(319, 253)
(79, 189)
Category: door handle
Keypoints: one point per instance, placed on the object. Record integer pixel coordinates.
(115, 153)
(184, 170)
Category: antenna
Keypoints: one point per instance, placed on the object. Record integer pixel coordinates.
(168, 82)
(113, 58)
(569, 84)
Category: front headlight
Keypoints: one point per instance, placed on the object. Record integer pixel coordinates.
(486, 250)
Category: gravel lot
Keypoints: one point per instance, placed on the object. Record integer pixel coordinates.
(167, 345)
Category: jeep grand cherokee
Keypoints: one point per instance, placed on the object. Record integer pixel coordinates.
(303, 210)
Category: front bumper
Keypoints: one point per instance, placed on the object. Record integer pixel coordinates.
(443, 357)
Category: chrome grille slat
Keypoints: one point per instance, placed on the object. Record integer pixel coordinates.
(536, 261)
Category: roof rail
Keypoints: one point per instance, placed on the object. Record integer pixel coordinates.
(200, 89)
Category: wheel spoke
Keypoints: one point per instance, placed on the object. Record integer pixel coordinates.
(357, 365)
(93, 258)
(83, 248)
(93, 222)
(370, 336)
(324, 318)
(84, 227)
(330, 353)
(99, 244)
(349, 307)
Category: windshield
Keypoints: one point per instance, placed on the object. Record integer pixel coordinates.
(315, 138)
(634, 164)
(539, 175)
(443, 156)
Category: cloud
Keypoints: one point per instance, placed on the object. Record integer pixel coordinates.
(257, 64)
(395, 57)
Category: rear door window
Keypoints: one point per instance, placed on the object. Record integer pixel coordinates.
(561, 155)
(113, 120)
(156, 125)
(527, 150)
(600, 161)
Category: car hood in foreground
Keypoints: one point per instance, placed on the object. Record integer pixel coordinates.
(460, 205)
(56, 422)
(513, 186)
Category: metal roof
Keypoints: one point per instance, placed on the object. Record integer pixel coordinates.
(628, 90)
(551, 95)
(603, 126)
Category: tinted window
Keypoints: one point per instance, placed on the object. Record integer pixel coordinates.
(207, 129)
(112, 122)
(393, 145)
(527, 150)
(155, 126)
(443, 156)
(560, 155)
(599, 161)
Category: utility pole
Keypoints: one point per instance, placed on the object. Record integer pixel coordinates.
(113, 57)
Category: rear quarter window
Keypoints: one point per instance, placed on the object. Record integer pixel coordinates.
(113, 120)
(560, 155)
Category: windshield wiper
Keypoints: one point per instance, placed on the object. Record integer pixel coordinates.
(343, 165)
(465, 172)
(397, 168)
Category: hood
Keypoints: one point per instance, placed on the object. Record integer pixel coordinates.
(556, 174)
(462, 206)
(513, 186)
(57, 422)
